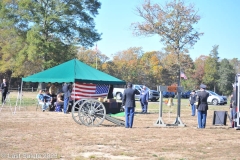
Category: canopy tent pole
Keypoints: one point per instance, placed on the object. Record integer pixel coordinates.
(19, 97)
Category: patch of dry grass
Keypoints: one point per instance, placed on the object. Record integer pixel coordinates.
(58, 136)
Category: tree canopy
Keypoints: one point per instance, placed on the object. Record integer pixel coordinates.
(174, 23)
(46, 32)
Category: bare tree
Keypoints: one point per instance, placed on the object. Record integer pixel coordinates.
(174, 23)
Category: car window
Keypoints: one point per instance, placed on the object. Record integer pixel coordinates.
(210, 92)
(213, 93)
(138, 88)
(137, 92)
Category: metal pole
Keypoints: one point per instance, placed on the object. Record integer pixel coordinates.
(96, 55)
(178, 119)
(179, 85)
(96, 60)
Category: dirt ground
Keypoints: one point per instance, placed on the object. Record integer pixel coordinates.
(31, 134)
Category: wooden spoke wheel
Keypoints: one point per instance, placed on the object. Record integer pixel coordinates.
(91, 112)
(75, 109)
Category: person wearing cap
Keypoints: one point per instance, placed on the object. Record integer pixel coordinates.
(144, 99)
(202, 106)
(128, 101)
(192, 100)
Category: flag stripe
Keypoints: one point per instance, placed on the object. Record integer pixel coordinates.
(82, 90)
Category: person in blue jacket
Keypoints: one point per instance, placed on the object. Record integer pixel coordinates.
(67, 89)
(192, 101)
(144, 99)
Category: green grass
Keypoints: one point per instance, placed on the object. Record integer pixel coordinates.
(29, 99)
(152, 106)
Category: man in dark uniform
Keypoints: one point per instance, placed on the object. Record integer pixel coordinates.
(4, 88)
(202, 106)
(129, 102)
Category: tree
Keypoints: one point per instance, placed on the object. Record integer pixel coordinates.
(127, 64)
(10, 44)
(236, 65)
(226, 78)
(199, 71)
(151, 70)
(92, 57)
(51, 28)
(211, 69)
(174, 23)
(170, 66)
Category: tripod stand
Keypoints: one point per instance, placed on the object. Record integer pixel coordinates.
(6, 103)
(19, 98)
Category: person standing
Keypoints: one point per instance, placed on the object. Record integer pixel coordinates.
(202, 106)
(67, 89)
(231, 110)
(53, 90)
(233, 103)
(192, 100)
(144, 99)
(4, 88)
(129, 102)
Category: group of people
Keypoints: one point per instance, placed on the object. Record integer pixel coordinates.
(47, 98)
(198, 101)
(128, 100)
(60, 101)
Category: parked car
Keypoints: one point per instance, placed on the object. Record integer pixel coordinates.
(153, 95)
(186, 94)
(168, 94)
(215, 99)
(224, 97)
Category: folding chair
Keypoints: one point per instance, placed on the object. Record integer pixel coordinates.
(38, 105)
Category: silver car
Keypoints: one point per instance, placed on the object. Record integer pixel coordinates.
(215, 99)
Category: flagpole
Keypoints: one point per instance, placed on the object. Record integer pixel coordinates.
(96, 60)
(178, 120)
(96, 55)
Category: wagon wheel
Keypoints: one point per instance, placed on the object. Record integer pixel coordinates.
(92, 112)
(75, 109)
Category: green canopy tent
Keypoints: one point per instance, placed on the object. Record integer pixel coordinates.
(73, 71)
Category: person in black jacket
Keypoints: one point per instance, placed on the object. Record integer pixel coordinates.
(4, 88)
(202, 106)
(129, 102)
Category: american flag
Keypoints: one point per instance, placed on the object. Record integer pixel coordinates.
(84, 90)
(182, 75)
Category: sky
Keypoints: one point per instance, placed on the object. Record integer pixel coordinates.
(220, 23)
